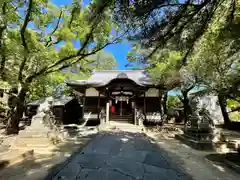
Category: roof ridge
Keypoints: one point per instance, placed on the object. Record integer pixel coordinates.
(116, 70)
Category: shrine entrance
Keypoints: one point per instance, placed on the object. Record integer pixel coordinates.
(122, 99)
(121, 106)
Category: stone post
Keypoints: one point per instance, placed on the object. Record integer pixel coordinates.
(107, 112)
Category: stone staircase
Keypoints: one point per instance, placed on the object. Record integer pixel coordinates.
(123, 118)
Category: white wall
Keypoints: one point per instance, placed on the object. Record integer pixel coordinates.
(152, 92)
(92, 92)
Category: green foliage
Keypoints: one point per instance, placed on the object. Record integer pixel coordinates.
(173, 102)
(36, 39)
(53, 84)
(4, 85)
(46, 86)
(47, 27)
(102, 61)
(234, 105)
(234, 116)
(164, 63)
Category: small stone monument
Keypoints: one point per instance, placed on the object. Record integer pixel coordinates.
(43, 134)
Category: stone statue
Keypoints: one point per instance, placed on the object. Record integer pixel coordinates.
(199, 117)
(45, 111)
(43, 133)
(45, 115)
(44, 120)
(200, 130)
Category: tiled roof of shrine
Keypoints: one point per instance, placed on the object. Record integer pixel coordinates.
(103, 77)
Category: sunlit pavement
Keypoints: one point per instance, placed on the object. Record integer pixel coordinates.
(130, 155)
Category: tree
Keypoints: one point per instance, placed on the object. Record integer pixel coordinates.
(205, 32)
(156, 24)
(234, 105)
(103, 61)
(54, 84)
(173, 102)
(164, 68)
(216, 62)
(36, 39)
(188, 82)
(49, 85)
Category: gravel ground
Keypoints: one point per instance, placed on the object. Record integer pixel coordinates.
(195, 162)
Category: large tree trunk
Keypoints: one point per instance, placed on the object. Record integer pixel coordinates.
(185, 107)
(165, 96)
(223, 105)
(17, 113)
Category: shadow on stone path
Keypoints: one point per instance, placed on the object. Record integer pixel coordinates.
(123, 156)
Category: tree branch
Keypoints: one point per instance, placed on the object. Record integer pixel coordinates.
(2, 29)
(79, 59)
(25, 23)
(190, 88)
(80, 54)
(54, 30)
(95, 21)
(199, 34)
(232, 11)
(24, 43)
(180, 98)
(172, 30)
(89, 35)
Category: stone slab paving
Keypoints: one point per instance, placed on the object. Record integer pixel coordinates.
(123, 156)
(118, 155)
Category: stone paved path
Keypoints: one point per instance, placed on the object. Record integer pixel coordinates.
(122, 156)
(134, 156)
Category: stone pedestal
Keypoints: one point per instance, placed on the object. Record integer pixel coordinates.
(39, 137)
(201, 134)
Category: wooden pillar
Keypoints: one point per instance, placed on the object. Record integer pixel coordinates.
(145, 108)
(160, 101)
(107, 112)
(83, 101)
(134, 113)
(98, 107)
(107, 106)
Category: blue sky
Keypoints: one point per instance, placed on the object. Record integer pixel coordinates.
(119, 51)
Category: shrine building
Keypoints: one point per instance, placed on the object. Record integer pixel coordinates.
(118, 94)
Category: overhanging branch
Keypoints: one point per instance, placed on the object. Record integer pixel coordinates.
(2, 50)
(24, 43)
(54, 30)
(25, 23)
(49, 69)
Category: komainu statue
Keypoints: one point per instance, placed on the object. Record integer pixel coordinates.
(199, 117)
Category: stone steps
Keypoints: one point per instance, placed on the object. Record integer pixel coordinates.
(14, 156)
(123, 118)
(30, 142)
